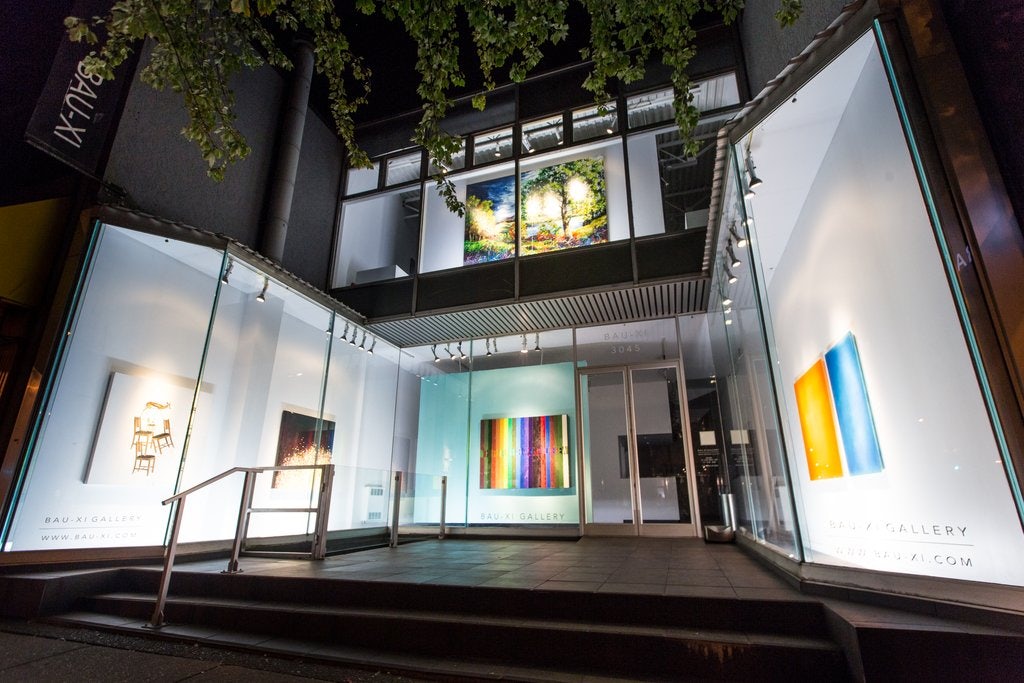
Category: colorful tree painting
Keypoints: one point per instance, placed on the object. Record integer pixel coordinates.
(563, 206)
(490, 220)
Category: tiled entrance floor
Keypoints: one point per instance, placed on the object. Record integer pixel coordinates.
(639, 565)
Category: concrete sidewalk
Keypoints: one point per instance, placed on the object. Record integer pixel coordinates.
(33, 652)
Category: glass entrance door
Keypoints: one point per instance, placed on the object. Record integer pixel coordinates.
(637, 462)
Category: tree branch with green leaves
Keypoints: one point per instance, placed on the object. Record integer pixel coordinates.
(200, 45)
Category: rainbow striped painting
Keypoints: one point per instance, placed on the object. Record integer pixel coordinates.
(525, 452)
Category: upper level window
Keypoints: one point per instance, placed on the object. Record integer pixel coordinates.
(362, 179)
(458, 160)
(653, 107)
(542, 134)
(594, 122)
(403, 169)
(492, 146)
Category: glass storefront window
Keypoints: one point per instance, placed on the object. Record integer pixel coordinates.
(573, 198)
(360, 402)
(895, 464)
(486, 232)
(110, 445)
(626, 343)
(595, 122)
(379, 237)
(362, 179)
(707, 431)
(403, 169)
(542, 134)
(479, 416)
(492, 146)
(265, 365)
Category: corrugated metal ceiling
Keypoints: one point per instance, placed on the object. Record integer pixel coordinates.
(643, 302)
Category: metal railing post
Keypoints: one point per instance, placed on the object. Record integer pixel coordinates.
(396, 509)
(157, 620)
(243, 522)
(323, 510)
(444, 501)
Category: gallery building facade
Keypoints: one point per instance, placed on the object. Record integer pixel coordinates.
(808, 330)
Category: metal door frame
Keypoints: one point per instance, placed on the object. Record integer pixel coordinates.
(638, 527)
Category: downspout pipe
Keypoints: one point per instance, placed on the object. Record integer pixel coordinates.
(289, 145)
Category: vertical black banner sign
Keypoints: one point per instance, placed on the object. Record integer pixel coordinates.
(75, 113)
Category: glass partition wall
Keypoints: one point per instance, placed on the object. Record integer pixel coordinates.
(845, 376)
(182, 361)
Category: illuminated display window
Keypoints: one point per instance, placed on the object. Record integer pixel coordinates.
(403, 169)
(594, 122)
(492, 146)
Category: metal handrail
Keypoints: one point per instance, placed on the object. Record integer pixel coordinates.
(317, 552)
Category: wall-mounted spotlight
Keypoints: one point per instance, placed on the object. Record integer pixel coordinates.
(740, 241)
(536, 341)
(462, 354)
(227, 271)
(524, 350)
(727, 301)
(344, 334)
(352, 339)
(372, 346)
(494, 344)
(362, 344)
(733, 261)
(730, 277)
(448, 348)
(262, 296)
(433, 350)
(487, 343)
(753, 182)
(728, 321)
(727, 310)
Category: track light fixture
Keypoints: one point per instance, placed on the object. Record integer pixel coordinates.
(433, 350)
(227, 271)
(753, 182)
(733, 261)
(740, 241)
(729, 276)
(262, 296)
(536, 341)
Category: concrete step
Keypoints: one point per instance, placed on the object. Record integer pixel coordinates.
(806, 618)
(569, 644)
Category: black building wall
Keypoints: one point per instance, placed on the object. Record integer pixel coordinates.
(164, 174)
(767, 47)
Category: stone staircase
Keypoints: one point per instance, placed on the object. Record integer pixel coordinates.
(476, 632)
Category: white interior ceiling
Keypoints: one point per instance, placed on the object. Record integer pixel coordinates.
(790, 144)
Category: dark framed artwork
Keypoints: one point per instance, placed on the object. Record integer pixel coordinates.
(300, 443)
